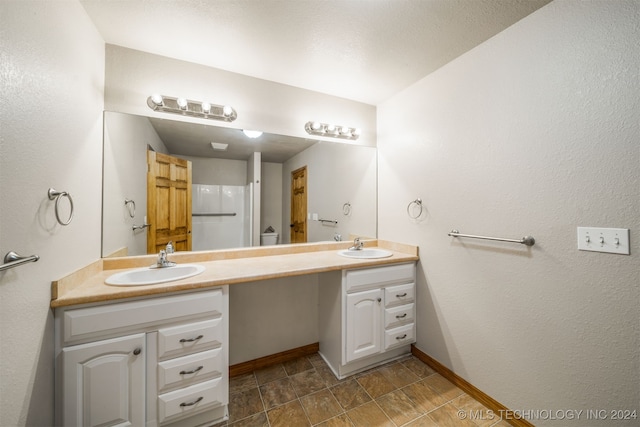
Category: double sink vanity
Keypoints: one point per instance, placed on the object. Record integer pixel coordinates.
(140, 346)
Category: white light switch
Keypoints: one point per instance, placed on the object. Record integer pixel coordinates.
(611, 240)
(314, 216)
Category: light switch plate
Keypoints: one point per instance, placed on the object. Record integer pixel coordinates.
(610, 240)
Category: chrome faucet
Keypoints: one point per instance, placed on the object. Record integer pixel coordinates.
(163, 262)
(357, 245)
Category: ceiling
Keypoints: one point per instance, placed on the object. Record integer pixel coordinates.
(192, 139)
(364, 50)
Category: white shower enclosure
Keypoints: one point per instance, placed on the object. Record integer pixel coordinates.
(222, 216)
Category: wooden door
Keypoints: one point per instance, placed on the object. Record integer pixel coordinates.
(299, 205)
(168, 202)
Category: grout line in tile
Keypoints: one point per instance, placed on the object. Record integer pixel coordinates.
(343, 410)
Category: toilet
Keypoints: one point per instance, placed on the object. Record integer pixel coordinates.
(267, 239)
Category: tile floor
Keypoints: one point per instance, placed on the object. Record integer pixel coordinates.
(304, 392)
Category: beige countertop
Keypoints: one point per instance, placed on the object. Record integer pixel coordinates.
(224, 267)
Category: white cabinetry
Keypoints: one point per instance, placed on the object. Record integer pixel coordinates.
(157, 361)
(367, 316)
(105, 382)
(363, 324)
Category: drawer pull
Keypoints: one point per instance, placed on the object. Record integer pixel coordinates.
(401, 316)
(183, 404)
(192, 339)
(401, 295)
(193, 371)
(401, 337)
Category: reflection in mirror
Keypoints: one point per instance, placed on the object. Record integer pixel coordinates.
(237, 194)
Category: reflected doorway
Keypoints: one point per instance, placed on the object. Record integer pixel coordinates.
(168, 202)
(299, 205)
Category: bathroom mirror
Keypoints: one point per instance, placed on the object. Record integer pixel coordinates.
(237, 192)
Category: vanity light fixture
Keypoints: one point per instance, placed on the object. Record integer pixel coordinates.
(187, 107)
(324, 129)
(252, 133)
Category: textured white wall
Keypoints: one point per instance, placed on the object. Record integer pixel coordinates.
(218, 171)
(126, 138)
(271, 204)
(533, 132)
(336, 174)
(271, 316)
(131, 76)
(51, 80)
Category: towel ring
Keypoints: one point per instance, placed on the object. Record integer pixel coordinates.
(129, 203)
(417, 202)
(346, 209)
(57, 195)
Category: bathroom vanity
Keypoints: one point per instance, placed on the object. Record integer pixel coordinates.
(367, 316)
(151, 361)
(158, 355)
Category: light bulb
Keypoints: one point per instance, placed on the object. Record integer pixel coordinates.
(156, 98)
(206, 107)
(316, 126)
(357, 132)
(227, 110)
(252, 133)
(345, 130)
(331, 128)
(182, 103)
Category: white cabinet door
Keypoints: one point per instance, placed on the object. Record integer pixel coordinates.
(363, 324)
(104, 382)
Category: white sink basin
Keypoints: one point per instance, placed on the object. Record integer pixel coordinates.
(366, 253)
(151, 275)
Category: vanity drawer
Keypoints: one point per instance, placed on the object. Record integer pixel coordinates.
(366, 278)
(188, 370)
(401, 294)
(399, 336)
(190, 338)
(191, 400)
(398, 316)
(115, 319)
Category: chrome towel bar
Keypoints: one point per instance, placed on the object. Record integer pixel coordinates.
(331, 221)
(215, 214)
(12, 259)
(526, 240)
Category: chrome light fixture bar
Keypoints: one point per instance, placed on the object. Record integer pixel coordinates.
(324, 129)
(187, 107)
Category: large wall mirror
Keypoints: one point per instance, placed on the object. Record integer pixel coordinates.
(242, 193)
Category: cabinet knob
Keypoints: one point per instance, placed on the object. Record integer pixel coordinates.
(379, 300)
(137, 351)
